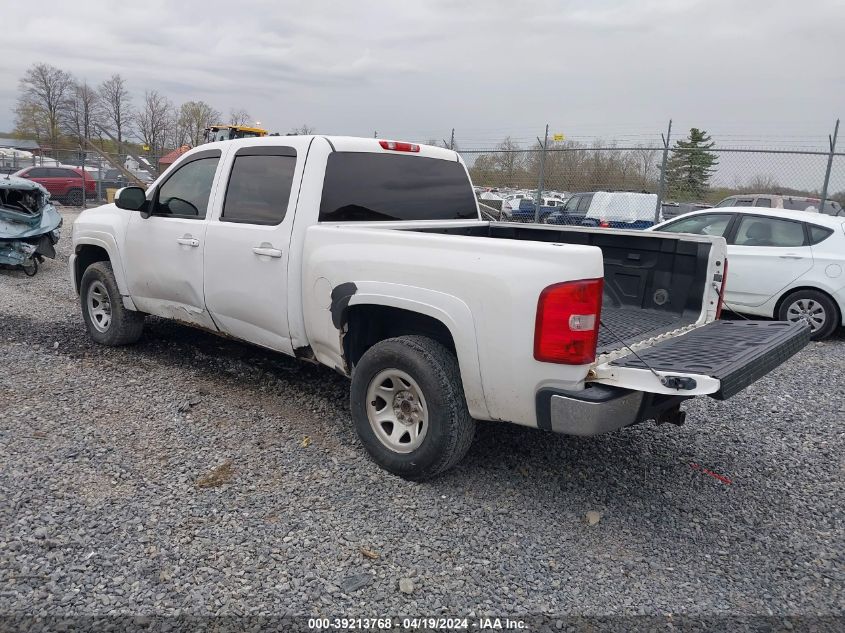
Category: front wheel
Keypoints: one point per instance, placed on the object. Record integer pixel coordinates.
(812, 307)
(108, 321)
(409, 408)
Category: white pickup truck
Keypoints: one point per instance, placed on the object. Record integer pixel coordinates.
(369, 256)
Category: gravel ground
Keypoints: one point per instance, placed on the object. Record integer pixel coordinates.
(191, 474)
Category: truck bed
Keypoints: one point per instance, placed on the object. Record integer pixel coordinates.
(653, 283)
(633, 325)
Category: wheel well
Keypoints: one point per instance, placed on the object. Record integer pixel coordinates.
(87, 254)
(814, 289)
(366, 325)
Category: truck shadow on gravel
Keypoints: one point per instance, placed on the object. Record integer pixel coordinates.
(628, 468)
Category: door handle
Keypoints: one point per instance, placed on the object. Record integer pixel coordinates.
(188, 241)
(791, 256)
(267, 250)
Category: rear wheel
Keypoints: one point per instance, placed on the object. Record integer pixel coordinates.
(409, 408)
(107, 320)
(812, 307)
(74, 197)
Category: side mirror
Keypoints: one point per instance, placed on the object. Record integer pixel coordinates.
(131, 199)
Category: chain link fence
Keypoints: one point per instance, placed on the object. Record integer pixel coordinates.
(658, 182)
(640, 185)
(106, 171)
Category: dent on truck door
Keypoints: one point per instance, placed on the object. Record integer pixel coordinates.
(164, 252)
(246, 284)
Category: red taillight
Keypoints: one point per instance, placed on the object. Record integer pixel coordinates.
(722, 290)
(567, 326)
(399, 146)
(604, 224)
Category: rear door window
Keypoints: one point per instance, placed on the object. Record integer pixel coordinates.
(259, 185)
(715, 224)
(763, 202)
(363, 186)
(759, 230)
(799, 204)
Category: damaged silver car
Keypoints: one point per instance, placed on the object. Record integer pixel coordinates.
(29, 224)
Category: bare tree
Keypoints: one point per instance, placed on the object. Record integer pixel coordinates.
(510, 161)
(116, 105)
(45, 93)
(239, 117)
(763, 183)
(194, 117)
(154, 120)
(645, 158)
(83, 116)
(177, 132)
(303, 130)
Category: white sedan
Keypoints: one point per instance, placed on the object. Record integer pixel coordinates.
(789, 265)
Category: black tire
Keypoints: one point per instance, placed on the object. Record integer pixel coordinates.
(124, 326)
(74, 197)
(812, 299)
(30, 269)
(450, 429)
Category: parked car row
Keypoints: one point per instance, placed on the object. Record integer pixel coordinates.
(525, 210)
(603, 209)
(779, 201)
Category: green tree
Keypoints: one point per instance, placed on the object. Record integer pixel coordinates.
(691, 166)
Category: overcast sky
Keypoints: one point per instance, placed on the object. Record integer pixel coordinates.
(414, 69)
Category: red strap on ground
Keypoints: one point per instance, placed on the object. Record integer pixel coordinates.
(721, 478)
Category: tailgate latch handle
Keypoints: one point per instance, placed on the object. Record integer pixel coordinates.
(682, 383)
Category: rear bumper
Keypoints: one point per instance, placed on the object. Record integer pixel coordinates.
(600, 409)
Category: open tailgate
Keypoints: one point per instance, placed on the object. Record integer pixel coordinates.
(718, 359)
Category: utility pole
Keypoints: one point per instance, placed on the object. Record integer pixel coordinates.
(832, 141)
(542, 173)
(666, 140)
(84, 176)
